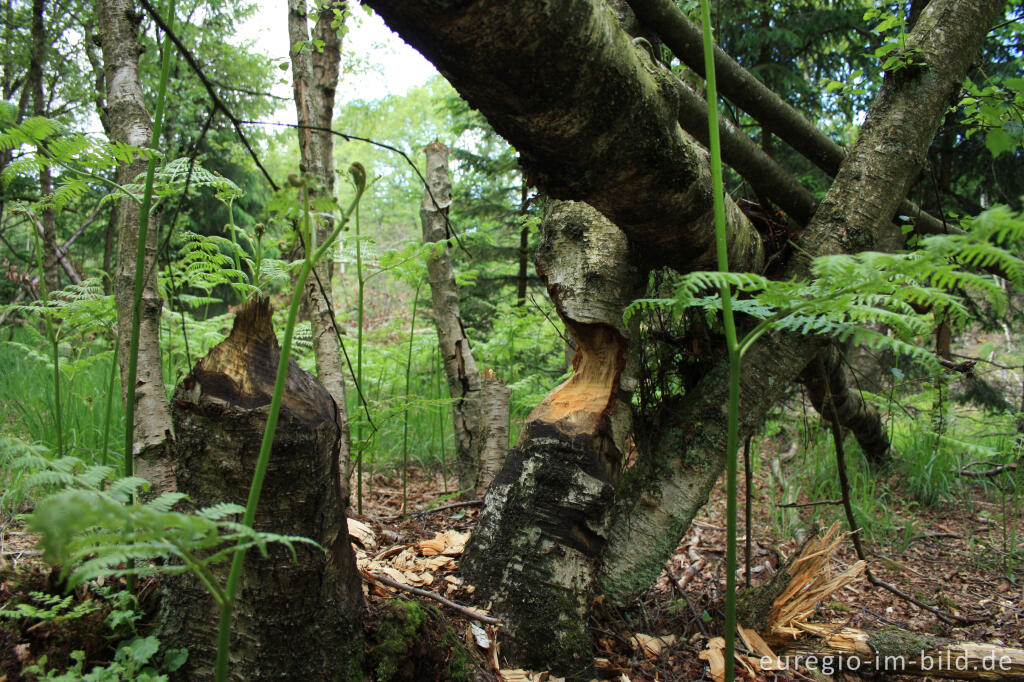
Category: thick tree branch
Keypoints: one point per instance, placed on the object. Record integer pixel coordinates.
(754, 97)
(833, 398)
(766, 176)
(604, 131)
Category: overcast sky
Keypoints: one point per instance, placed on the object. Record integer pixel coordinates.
(392, 67)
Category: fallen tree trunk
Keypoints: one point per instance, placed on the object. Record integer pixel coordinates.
(657, 503)
(684, 38)
(297, 619)
(603, 130)
(519, 64)
(537, 546)
(892, 651)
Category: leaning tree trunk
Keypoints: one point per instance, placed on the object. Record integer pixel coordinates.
(538, 544)
(651, 513)
(604, 130)
(479, 405)
(294, 619)
(314, 79)
(129, 123)
(628, 158)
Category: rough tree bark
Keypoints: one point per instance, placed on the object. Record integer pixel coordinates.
(537, 546)
(605, 132)
(510, 61)
(480, 405)
(314, 81)
(294, 620)
(129, 123)
(867, 192)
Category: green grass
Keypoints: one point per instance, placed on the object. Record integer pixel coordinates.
(26, 394)
(925, 473)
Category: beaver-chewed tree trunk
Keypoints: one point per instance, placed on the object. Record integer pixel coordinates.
(293, 619)
(538, 543)
(479, 403)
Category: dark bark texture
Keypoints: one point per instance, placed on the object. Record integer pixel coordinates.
(539, 541)
(603, 130)
(294, 619)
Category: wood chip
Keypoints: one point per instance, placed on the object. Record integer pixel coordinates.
(652, 646)
(361, 533)
(715, 657)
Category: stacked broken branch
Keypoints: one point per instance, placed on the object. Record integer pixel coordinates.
(783, 619)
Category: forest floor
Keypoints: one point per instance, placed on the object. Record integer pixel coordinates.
(955, 560)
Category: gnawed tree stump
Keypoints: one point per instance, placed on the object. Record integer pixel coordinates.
(479, 403)
(538, 544)
(294, 620)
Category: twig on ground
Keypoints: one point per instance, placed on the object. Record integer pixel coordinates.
(425, 512)
(792, 505)
(464, 610)
(987, 473)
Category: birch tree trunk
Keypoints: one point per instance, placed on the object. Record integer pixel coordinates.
(47, 220)
(653, 510)
(129, 123)
(301, 619)
(314, 82)
(538, 544)
(518, 63)
(479, 405)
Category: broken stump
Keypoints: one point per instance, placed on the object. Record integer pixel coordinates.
(293, 620)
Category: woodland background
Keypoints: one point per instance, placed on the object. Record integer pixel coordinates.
(941, 515)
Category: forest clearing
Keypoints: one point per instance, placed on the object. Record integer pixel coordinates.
(643, 340)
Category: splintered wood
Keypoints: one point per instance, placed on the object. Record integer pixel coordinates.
(833, 647)
(412, 565)
(812, 581)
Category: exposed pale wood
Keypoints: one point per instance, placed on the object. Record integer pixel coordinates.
(295, 618)
(545, 523)
(464, 610)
